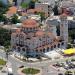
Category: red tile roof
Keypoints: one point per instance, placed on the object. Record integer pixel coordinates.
(34, 10)
(12, 10)
(30, 23)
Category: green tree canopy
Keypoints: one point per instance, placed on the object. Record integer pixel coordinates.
(42, 14)
(32, 4)
(68, 73)
(24, 5)
(2, 18)
(5, 37)
(14, 19)
(3, 7)
(55, 9)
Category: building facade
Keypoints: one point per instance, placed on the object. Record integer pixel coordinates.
(31, 40)
(64, 27)
(45, 7)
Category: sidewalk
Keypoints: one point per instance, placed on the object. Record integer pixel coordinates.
(4, 71)
(16, 58)
(33, 60)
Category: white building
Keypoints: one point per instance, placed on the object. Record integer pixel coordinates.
(64, 27)
(68, 7)
(62, 22)
(35, 17)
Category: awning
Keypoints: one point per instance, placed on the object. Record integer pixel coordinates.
(69, 51)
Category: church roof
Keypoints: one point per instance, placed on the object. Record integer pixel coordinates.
(30, 23)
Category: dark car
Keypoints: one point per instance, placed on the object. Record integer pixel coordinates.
(21, 66)
(60, 74)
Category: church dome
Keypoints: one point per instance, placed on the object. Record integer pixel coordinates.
(30, 23)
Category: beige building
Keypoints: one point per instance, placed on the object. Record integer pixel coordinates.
(45, 7)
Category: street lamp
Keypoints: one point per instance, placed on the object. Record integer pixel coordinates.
(7, 55)
(7, 52)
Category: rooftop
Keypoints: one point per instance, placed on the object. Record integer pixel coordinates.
(12, 10)
(30, 23)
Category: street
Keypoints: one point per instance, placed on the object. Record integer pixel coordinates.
(46, 67)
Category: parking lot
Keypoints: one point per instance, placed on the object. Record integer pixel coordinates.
(67, 65)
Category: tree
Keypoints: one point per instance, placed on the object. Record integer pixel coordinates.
(2, 4)
(14, 19)
(2, 18)
(68, 73)
(3, 7)
(42, 14)
(24, 5)
(71, 35)
(32, 4)
(55, 10)
(5, 37)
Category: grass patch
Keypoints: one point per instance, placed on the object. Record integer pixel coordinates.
(72, 59)
(30, 71)
(2, 62)
(1, 68)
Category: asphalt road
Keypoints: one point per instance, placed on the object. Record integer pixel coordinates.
(46, 67)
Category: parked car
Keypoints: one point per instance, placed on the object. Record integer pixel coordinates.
(21, 66)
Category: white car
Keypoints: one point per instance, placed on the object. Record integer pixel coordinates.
(10, 72)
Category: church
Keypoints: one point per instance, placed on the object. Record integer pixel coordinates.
(30, 39)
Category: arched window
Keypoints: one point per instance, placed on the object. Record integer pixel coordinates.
(23, 49)
(18, 49)
(44, 50)
(40, 50)
(51, 47)
(62, 43)
(58, 45)
(36, 50)
(30, 29)
(54, 46)
(16, 35)
(47, 49)
(27, 29)
(14, 47)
